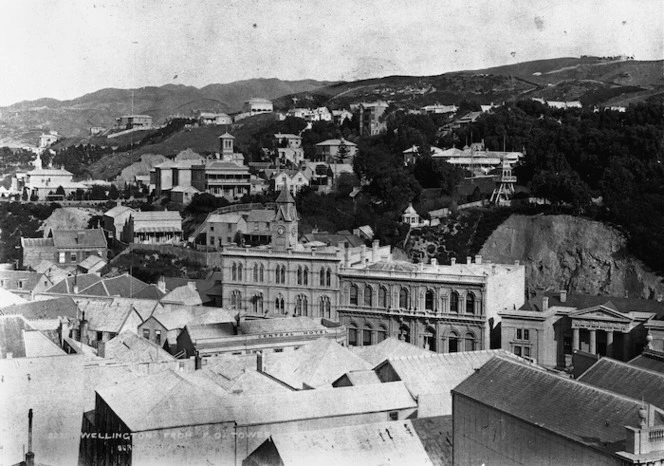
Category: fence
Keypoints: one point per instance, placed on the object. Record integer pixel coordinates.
(207, 259)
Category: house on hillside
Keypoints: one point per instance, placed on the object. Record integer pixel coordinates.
(114, 221)
(336, 150)
(66, 247)
(153, 227)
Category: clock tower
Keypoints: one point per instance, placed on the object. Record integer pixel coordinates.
(284, 227)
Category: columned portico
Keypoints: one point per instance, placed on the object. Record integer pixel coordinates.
(599, 330)
(593, 341)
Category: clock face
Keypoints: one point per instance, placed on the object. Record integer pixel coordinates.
(281, 230)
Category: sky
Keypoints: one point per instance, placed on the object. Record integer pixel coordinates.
(66, 48)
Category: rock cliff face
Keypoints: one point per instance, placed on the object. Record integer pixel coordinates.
(580, 255)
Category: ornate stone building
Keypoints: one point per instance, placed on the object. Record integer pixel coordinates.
(444, 308)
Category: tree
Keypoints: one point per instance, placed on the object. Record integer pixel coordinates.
(113, 193)
(25, 195)
(60, 191)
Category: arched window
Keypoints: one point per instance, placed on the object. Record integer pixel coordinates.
(299, 275)
(262, 274)
(325, 307)
(382, 297)
(236, 299)
(403, 298)
(453, 342)
(429, 300)
(279, 305)
(404, 333)
(366, 335)
(454, 302)
(352, 335)
(470, 342)
(381, 334)
(283, 274)
(305, 276)
(234, 272)
(255, 273)
(239, 272)
(280, 274)
(328, 277)
(301, 305)
(258, 303)
(470, 303)
(353, 295)
(429, 339)
(368, 296)
(322, 277)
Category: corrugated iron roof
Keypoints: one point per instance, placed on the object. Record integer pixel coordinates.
(67, 239)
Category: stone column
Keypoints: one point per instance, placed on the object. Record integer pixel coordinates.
(575, 339)
(609, 343)
(593, 341)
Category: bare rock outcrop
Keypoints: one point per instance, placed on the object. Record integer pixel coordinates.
(580, 255)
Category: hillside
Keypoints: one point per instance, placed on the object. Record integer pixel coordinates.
(579, 255)
(590, 79)
(21, 123)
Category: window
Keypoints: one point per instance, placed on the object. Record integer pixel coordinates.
(211, 227)
(328, 277)
(157, 337)
(305, 276)
(257, 301)
(522, 334)
(429, 339)
(322, 277)
(470, 303)
(325, 307)
(301, 305)
(352, 335)
(366, 336)
(382, 297)
(368, 296)
(403, 298)
(280, 274)
(454, 302)
(404, 333)
(299, 275)
(279, 305)
(236, 299)
(255, 273)
(234, 272)
(353, 295)
(100, 335)
(453, 342)
(239, 272)
(146, 334)
(381, 334)
(261, 274)
(394, 416)
(73, 257)
(20, 284)
(61, 258)
(470, 342)
(429, 300)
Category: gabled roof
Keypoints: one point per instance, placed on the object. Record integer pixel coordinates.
(171, 399)
(360, 377)
(29, 280)
(157, 216)
(45, 309)
(281, 324)
(569, 408)
(9, 299)
(82, 281)
(367, 444)
(181, 316)
(27, 243)
(584, 301)
(66, 239)
(336, 142)
(652, 360)
(316, 364)
(52, 271)
(18, 339)
(91, 262)
(124, 286)
(127, 347)
(624, 379)
(388, 348)
(185, 294)
(393, 266)
(110, 315)
(117, 211)
(440, 372)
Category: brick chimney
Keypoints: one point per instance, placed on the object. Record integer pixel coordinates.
(261, 362)
(545, 303)
(198, 362)
(478, 259)
(434, 261)
(469, 260)
(452, 260)
(161, 284)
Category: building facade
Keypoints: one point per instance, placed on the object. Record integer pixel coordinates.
(443, 308)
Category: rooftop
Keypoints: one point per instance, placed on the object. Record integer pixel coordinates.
(569, 408)
(316, 364)
(10, 279)
(653, 360)
(18, 339)
(388, 348)
(117, 211)
(44, 309)
(583, 301)
(79, 239)
(127, 347)
(628, 380)
(168, 400)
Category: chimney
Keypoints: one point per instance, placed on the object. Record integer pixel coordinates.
(198, 363)
(469, 260)
(478, 259)
(161, 284)
(261, 362)
(83, 330)
(434, 261)
(363, 254)
(563, 296)
(346, 255)
(452, 260)
(30, 456)
(374, 250)
(192, 285)
(545, 303)
(517, 263)
(493, 269)
(75, 288)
